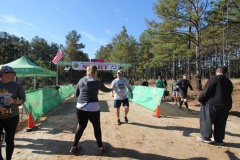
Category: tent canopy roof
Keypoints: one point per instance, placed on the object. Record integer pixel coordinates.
(25, 68)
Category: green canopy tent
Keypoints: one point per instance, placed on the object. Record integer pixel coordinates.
(25, 68)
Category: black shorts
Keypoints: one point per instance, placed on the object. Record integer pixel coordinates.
(124, 102)
(183, 95)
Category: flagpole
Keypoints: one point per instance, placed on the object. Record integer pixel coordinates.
(57, 68)
(55, 60)
(57, 76)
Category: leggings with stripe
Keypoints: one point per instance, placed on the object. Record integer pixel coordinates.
(94, 118)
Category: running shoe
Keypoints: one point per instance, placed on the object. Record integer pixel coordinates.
(75, 150)
(101, 151)
(180, 107)
(220, 142)
(126, 119)
(204, 140)
(118, 122)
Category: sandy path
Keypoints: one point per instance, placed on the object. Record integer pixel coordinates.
(144, 137)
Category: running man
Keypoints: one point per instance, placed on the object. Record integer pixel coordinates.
(183, 85)
(119, 93)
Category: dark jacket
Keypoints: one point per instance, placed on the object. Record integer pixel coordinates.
(218, 91)
(145, 83)
(183, 85)
(87, 91)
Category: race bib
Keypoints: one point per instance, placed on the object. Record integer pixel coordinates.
(4, 94)
(6, 112)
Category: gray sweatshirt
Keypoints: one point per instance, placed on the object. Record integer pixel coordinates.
(88, 88)
(17, 92)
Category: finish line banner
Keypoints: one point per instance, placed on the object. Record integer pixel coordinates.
(147, 97)
(100, 66)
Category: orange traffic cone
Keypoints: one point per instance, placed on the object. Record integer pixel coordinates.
(31, 124)
(157, 112)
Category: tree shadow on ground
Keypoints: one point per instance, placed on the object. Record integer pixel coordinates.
(234, 113)
(104, 106)
(168, 109)
(231, 155)
(187, 131)
(66, 112)
(88, 148)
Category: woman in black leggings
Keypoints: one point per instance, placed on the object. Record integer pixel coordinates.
(88, 108)
(11, 96)
(94, 118)
(10, 126)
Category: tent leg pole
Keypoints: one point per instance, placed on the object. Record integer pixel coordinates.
(34, 82)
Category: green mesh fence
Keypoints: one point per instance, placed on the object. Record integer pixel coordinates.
(147, 97)
(41, 101)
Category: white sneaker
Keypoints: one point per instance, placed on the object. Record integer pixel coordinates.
(200, 139)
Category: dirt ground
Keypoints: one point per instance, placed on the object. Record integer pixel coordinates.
(173, 136)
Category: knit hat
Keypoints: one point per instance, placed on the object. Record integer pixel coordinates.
(5, 69)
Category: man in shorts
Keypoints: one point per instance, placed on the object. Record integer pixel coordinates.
(183, 85)
(120, 86)
(175, 91)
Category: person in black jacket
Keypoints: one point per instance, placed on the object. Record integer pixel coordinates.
(145, 82)
(216, 103)
(88, 108)
(183, 85)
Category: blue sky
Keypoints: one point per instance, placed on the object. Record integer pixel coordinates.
(98, 21)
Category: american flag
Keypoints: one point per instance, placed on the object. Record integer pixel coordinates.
(58, 57)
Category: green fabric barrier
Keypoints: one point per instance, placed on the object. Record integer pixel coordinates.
(41, 101)
(64, 91)
(147, 97)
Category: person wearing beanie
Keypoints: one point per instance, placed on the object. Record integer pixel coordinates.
(12, 95)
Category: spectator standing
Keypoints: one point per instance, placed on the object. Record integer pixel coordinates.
(166, 92)
(165, 83)
(159, 82)
(183, 85)
(175, 91)
(216, 100)
(145, 82)
(131, 81)
(88, 108)
(120, 86)
(12, 96)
